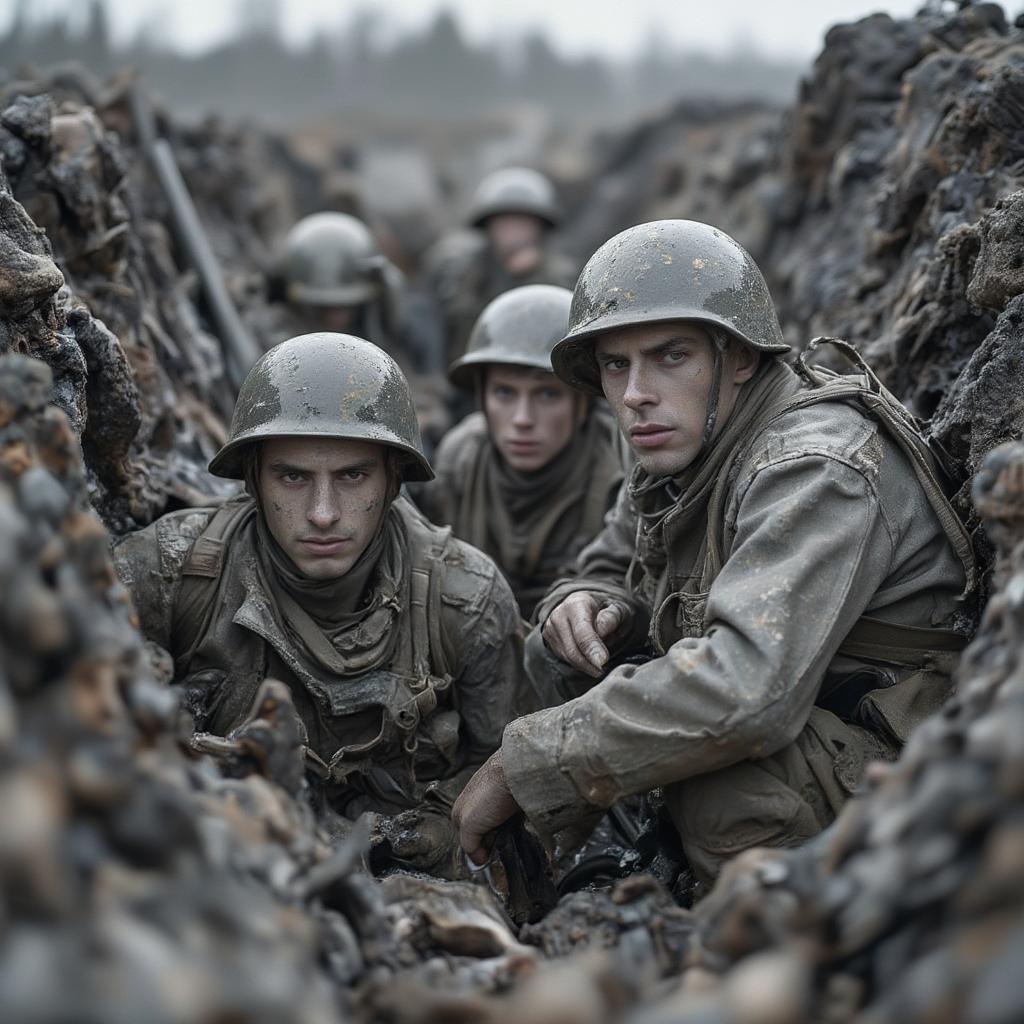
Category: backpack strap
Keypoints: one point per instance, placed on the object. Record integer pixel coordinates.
(427, 548)
(876, 640)
(901, 426)
(200, 576)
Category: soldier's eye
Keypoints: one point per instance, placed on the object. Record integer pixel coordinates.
(502, 391)
(291, 478)
(550, 394)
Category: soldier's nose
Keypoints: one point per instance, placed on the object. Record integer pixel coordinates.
(322, 511)
(523, 414)
(637, 393)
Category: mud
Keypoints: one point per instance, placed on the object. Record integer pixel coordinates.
(150, 874)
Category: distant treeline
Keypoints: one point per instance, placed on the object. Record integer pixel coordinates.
(435, 71)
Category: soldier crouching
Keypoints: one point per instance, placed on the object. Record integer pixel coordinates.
(783, 567)
(399, 644)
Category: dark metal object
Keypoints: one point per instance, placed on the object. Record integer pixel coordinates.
(531, 889)
(240, 351)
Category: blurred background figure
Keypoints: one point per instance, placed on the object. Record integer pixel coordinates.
(332, 276)
(511, 218)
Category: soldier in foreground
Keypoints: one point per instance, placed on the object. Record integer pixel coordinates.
(783, 561)
(400, 645)
(511, 218)
(530, 476)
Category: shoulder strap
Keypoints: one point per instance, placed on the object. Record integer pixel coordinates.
(870, 638)
(200, 575)
(427, 546)
(901, 426)
(877, 640)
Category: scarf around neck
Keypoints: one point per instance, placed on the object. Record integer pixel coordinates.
(520, 519)
(695, 497)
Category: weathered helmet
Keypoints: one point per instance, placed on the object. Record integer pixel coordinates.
(665, 270)
(515, 190)
(518, 328)
(331, 259)
(325, 385)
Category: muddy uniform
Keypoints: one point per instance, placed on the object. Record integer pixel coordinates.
(412, 685)
(404, 668)
(772, 586)
(532, 524)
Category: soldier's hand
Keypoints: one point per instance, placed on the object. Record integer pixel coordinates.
(576, 629)
(482, 806)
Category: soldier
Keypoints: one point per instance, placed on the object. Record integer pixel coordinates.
(783, 559)
(529, 478)
(332, 276)
(511, 216)
(400, 644)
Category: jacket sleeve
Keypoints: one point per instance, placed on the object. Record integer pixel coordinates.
(139, 565)
(485, 634)
(439, 499)
(811, 546)
(601, 568)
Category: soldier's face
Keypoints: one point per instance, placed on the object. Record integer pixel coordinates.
(323, 500)
(516, 239)
(532, 415)
(657, 378)
(337, 319)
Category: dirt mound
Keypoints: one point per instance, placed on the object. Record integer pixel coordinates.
(143, 880)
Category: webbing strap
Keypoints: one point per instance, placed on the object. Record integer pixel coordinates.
(876, 640)
(901, 427)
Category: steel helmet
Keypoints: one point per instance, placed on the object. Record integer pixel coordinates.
(325, 385)
(515, 190)
(661, 271)
(331, 259)
(518, 328)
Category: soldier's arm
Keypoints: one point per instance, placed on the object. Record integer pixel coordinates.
(149, 564)
(439, 499)
(139, 565)
(811, 547)
(484, 634)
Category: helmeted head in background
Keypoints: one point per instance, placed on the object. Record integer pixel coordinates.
(331, 267)
(668, 320)
(324, 431)
(532, 416)
(515, 207)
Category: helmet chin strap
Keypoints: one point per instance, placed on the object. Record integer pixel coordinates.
(719, 344)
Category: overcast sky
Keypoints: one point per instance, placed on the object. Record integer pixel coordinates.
(616, 27)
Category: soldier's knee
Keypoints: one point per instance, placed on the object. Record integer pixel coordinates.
(723, 813)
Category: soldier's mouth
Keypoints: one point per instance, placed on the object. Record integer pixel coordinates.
(325, 546)
(650, 435)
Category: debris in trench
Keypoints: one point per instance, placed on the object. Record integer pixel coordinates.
(158, 882)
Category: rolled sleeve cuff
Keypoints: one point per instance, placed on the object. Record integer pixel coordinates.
(536, 757)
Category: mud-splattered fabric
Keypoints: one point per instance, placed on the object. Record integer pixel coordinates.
(822, 521)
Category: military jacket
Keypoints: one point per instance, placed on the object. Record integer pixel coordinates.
(377, 738)
(824, 521)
